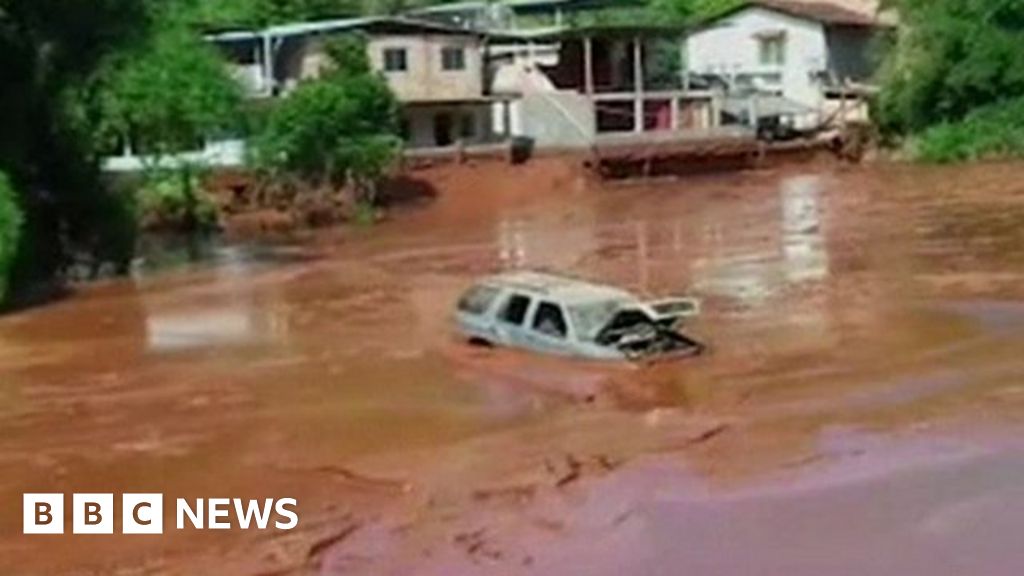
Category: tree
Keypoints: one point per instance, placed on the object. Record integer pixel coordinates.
(339, 129)
(950, 57)
(10, 232)
(170, 95)
(49, 49)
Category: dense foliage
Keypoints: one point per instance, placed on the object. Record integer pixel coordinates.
(10, 232)
(175, 200)
(49, 50)
(956, 73)
(992, 131)
(168, 95)
(339, 129)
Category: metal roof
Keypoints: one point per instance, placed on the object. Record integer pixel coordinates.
(560, 33)
(568, 291)
(382, 24)
(452, 7)
(822, 11)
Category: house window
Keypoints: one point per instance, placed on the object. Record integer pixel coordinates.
(772, 50)
(395, 60)
(453, 58)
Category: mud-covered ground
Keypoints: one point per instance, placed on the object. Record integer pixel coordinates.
(859, 411)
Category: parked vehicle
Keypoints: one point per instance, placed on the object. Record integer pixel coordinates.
(557, 315)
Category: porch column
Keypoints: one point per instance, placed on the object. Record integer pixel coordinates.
(588, 66)
(268, 65)
(506, 111)
(675, 104)
(684, 65)
(638, 85)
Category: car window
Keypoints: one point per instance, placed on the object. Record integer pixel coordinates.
(589, 319)
(515, 309)
(478, 299)
(550, 321)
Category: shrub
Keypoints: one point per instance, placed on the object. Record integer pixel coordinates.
(11, 220)
(175, 199)
(338, 130)
(996, 130)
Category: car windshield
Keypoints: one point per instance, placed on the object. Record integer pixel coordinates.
(590, 318)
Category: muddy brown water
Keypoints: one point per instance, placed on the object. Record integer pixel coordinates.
(865, 326)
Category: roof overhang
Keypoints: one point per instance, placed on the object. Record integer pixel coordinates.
(820, 11)
(370, 25)
(564, 33)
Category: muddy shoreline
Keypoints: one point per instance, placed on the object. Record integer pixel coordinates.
(865, 326)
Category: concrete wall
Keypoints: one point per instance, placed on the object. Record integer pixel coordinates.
(423, 80)
(421, 124)
(221, 154)
(731, 48)
(560, 119)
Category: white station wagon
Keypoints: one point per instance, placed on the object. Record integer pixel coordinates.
(568, 317)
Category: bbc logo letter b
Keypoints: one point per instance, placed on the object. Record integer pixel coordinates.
(93, 514)
(43, 513)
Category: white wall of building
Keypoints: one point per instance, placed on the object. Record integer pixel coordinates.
(731, 48)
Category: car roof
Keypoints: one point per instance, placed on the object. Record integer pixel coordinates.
(568, 291)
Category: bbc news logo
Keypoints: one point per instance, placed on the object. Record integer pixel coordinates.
(144, 514)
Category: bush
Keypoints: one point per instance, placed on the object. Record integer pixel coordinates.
(175, 199)
(10, 232)
(949, 58)
(338, 130)
(996, 130)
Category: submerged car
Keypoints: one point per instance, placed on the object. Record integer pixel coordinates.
(569, 317)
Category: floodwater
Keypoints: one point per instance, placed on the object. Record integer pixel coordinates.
(857, 413)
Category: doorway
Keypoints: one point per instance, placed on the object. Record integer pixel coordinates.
(443, 129)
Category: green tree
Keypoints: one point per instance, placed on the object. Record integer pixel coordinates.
(950, 57)
(339, 129)
(170, 95)
(49, 49)
(10, 232)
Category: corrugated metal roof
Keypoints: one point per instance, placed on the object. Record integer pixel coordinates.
(818, 11)
(381, 23)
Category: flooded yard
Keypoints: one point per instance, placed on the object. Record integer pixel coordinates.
(856, 413)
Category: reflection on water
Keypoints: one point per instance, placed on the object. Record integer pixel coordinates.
(230, 317)
(790, 250)
(803, 241)
(174, 332)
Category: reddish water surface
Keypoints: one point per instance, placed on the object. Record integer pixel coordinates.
(855, 415)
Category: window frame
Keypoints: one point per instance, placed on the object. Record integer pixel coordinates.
(538, 308)
(396, 51)
(508, 304)
(478, 300)
(461, 60)
(771, 50)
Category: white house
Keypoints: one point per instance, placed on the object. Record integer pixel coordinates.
(816, 56)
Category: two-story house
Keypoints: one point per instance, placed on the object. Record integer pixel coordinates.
(436, 71)
(808, 53)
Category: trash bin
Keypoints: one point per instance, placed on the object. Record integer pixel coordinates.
(520, 149)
